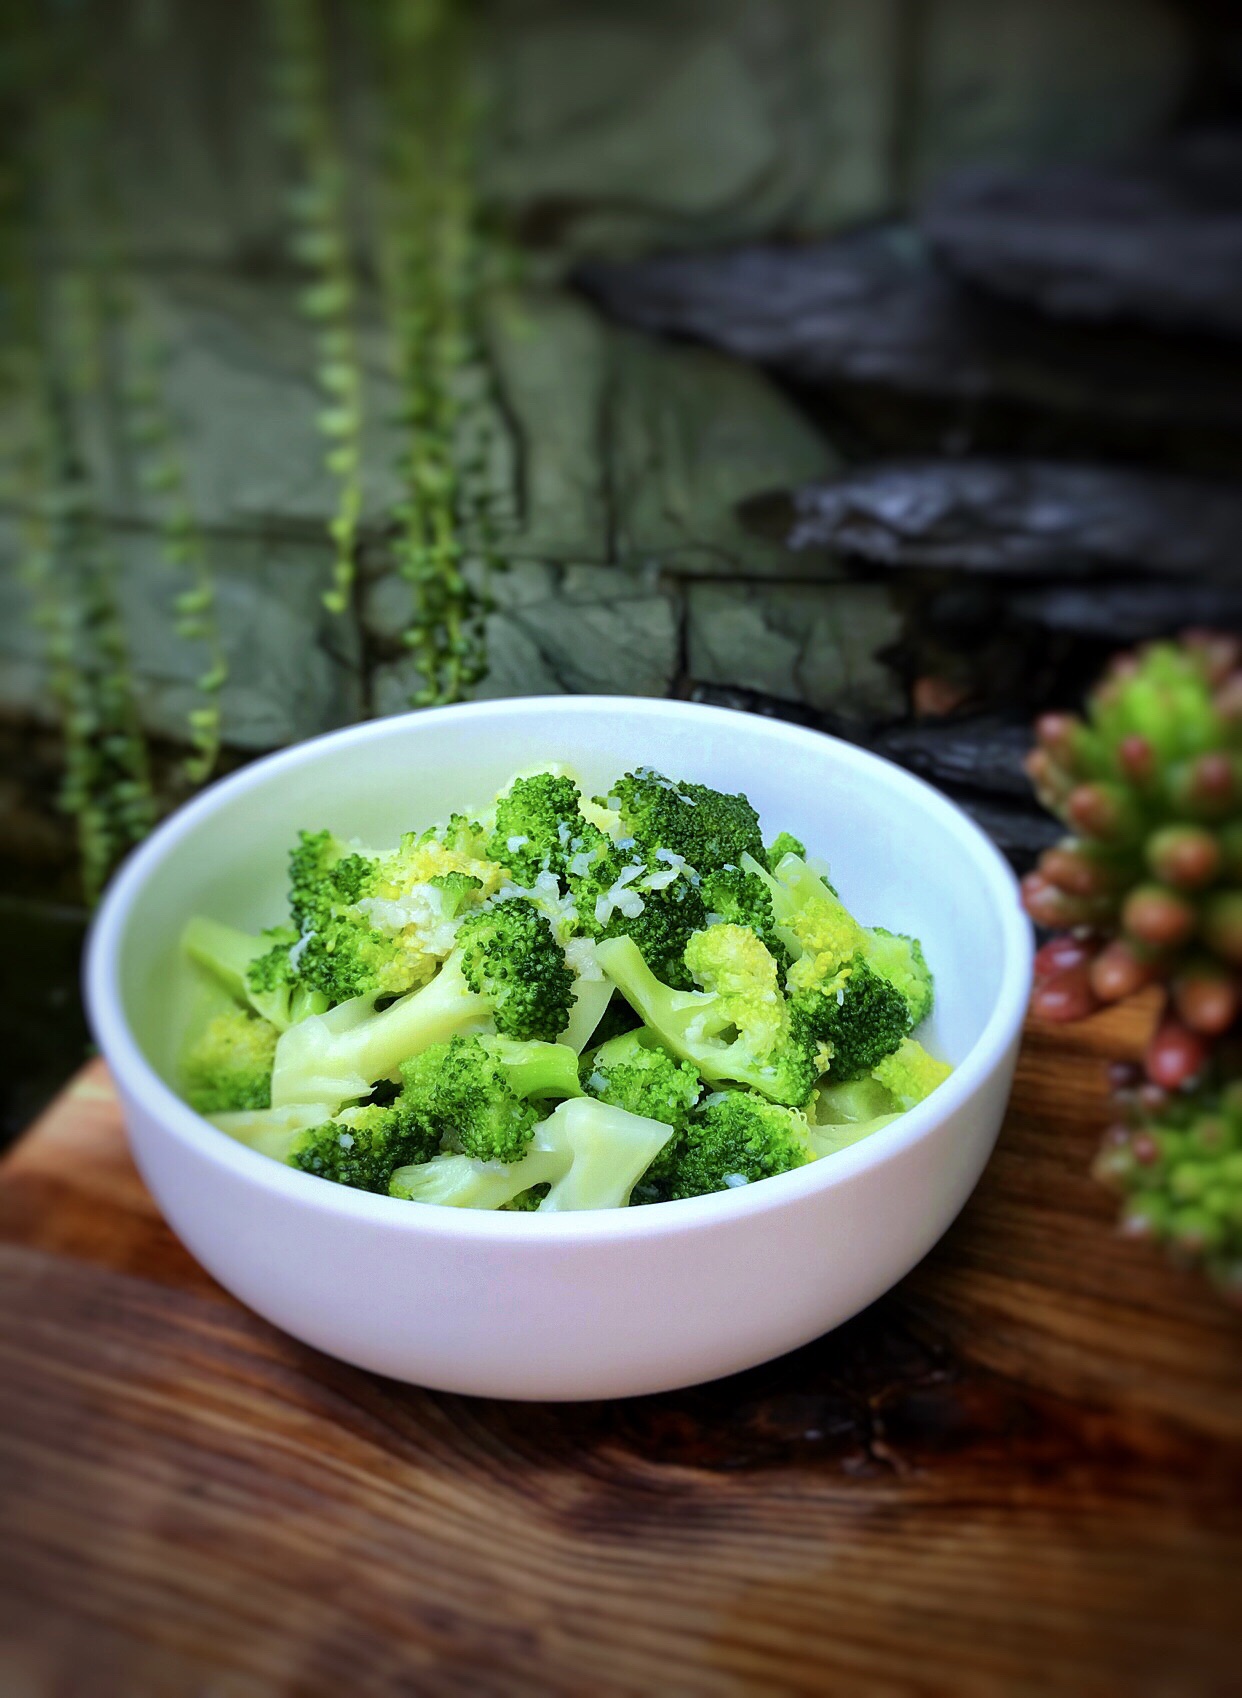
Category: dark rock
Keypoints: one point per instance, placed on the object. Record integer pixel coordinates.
(871, 311)
(984, 752)
(1129, 613)
(1022, 517)
(1157, 241)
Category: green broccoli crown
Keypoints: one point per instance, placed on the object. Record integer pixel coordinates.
(634, 1073)
(229, 1067)
(857, 1014)
(459, 1093)
(458, 891)
(324, 873)
(785, 843)
(338, 953)
(363, 1147)
(741, 898)
(624, 890)
(459, 833)
(510, 956)
(899, 959)
(910, 1073)
(709, 828)
(537, 826)
(736, 1138)
(526, 1202)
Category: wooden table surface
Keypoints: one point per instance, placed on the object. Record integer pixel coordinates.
(1020, 1472)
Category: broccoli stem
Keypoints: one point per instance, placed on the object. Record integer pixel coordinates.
(459, 1182)
(610, 1148)
(335, 1057)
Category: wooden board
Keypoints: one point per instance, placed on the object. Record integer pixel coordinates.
(1018, 1473)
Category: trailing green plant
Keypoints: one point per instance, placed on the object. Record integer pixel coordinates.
(320, 243)
(153, 439)
(433, 262)
(1147, 886)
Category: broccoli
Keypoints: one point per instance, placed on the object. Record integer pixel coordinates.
(510, 956)
(471, 1093)
(378, 924)
(229, 1068)
(738, 1028)
(859, 1016)
(708, 828)
(610, 1150)
(741, 898)
(900, 960)
(458, 1182)
(592, 994)
(734, 1139)
(628, 892)
(589, 1155)
(634, 1073)
(252, 969)
(271, 1131)
(785, 843)
(508, 972)
(362, 1147)
(538, 826)
(911, 1074)
(859, 1100)
(811, 921)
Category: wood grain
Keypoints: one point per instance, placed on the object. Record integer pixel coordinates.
(1019, 1473)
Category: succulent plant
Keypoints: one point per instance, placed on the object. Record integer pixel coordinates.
(1147, 886)
(1176, 1159)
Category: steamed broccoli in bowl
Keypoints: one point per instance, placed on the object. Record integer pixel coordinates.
(560, 1002)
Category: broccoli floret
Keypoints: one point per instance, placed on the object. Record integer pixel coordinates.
(538, 826)
(229, 1067)
(859, 1016)
(631, 892)
(709, 828)
(378, 924)
(812, 922)
(911, 1074)
(738, 1028)
(459, 833)
(510, 956)
(741, 898)
(588, 1154)
(900, 960)
(254, 970)
(457, 892)
(362, 1147)
(634, 1073)
(734, 1139)
(785, 843)
(508, 972)
(471, 1093)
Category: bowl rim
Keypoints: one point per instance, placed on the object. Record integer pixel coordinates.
(136, 1079)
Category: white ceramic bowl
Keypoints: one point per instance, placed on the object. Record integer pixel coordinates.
(610, 1302)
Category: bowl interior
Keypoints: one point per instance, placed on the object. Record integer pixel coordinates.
(901, 856)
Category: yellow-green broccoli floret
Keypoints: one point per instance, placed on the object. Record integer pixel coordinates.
(899, 959)
(737, 1028)
(911, 1074)
(229, 1067)
(741, 898)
